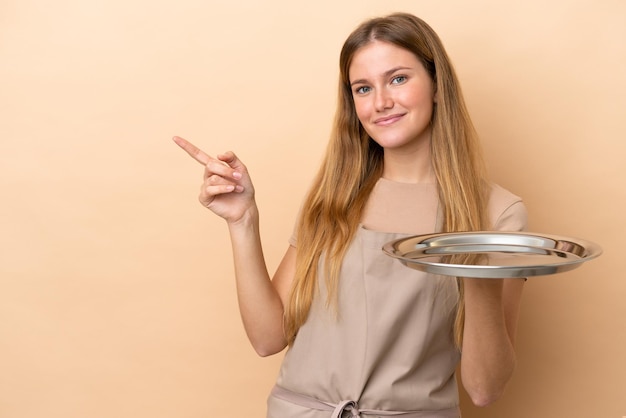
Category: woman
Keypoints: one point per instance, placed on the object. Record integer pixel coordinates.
(366, 335)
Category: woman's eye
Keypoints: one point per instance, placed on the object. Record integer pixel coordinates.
(398, 79)
(362, 90)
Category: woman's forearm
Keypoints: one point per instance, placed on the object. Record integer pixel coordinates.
(488, 356)
(259, 302)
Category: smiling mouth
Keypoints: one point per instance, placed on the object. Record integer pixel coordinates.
(388, 120)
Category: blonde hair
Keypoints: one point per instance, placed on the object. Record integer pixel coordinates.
(353, 163)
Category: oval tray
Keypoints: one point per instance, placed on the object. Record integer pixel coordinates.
(504, 254)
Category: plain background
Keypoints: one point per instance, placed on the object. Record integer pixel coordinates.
(116, 287)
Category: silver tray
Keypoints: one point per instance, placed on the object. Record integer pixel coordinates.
(502, 254)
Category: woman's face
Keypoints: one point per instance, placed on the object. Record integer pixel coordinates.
(393, 95)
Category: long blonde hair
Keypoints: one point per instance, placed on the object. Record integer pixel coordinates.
(353, 163)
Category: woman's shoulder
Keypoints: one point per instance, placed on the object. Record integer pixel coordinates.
(507, 211)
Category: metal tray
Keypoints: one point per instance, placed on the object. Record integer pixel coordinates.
(502, 254)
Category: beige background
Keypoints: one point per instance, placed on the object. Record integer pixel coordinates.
(116, 290)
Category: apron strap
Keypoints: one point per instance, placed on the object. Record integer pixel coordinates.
(337, 410)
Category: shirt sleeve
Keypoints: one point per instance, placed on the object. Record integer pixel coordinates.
(514, 218)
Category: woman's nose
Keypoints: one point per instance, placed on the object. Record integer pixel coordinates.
(383, 100)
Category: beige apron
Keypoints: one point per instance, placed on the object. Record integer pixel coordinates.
(390, 350)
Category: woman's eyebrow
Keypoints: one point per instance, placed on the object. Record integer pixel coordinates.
(384, 75)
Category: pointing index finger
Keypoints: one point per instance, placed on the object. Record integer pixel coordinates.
(195, 152)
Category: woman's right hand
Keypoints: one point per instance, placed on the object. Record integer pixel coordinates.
(227, 189)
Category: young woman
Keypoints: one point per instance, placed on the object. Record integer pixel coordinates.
(368, 336)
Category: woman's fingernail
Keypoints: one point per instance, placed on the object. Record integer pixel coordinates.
(237, 175)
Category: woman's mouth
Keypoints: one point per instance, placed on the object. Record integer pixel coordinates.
(388, 120)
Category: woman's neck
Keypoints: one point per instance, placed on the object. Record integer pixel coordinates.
(413, 166)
